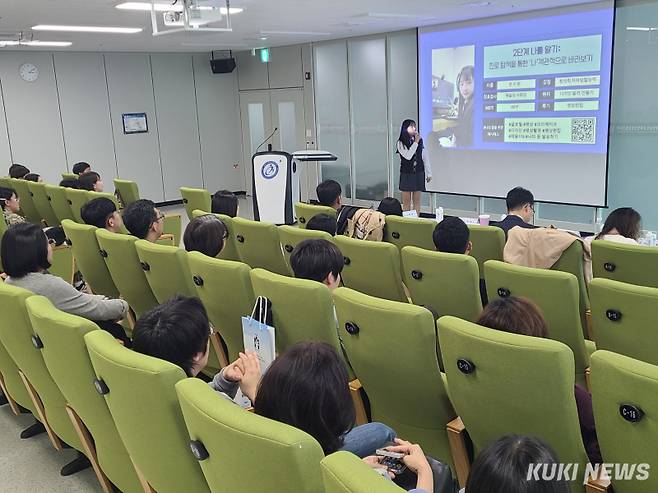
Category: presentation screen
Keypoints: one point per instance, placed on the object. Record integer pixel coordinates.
(519, 101)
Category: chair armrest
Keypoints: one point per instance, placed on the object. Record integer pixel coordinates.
(167, 237)
(588, 321)
(219, 349)
(457, 439)
(588, 373)
(597, 485)
(357, 399)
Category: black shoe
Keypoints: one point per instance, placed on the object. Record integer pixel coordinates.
(80, 463)
(3, 400)
(32, 431)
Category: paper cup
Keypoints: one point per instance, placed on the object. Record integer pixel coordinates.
(484, 219)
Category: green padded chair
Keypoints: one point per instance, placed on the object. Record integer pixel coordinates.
(488, 244)
(69, 176)
(526, 382)
(304, 212)
(625, 318)
(195, 198)
(555, 293)
(408, 231)
(622, 386)
(67, 360)
(28, 208)
(77, 198)
(634, 264)
(230, 251)
(59, 202)
(91, 195)
(127, 191)
(42, 204)
(5, 182)
(232, 441)
(571, 261)
(259, 246)
(392, 347)
(3, 229)
(123, 264)
(172, 224)
(291, 236)
(139, 391)
(447, 283)
(166, 270)
(63, 264)
(225, 289)
(343, 472)
(372, 268)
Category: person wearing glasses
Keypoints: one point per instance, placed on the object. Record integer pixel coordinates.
(206, 234)
(520, 210)
(143, 220)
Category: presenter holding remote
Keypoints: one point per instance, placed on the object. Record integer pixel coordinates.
(415, 169)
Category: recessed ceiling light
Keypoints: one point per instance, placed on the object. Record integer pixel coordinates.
(8, 43)
(88, 29)
(46, 43)
(263, 38)
(643, 29)
(167, 7)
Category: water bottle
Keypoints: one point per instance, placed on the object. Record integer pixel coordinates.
(439, 214)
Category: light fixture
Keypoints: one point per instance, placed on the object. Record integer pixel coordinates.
(54, 44)
(296, 33)
(88, 29)
(4, 44)
(166, 7)
(643, 29)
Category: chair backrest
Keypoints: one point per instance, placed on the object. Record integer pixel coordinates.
(527, 383)
(77, 198)
(571, 261)
(122, 262)
(408, 231)
(63, 264)
(304, 212)
(625, 319)
(235, 440)
(343, 472)
(69, 176)
(143, 402)
(392, 348)
(291, 236)
(372, 268)
(230, 251)
(172, 224)
(488, 244)
(88, 258)
(634, 264)
(225, 289)
(622, 386)
(195, 198)
(28, 208)
(59, 202)
(67, 360)
(447, 283)
(258, 245)
(127, 190)
(41, 202)
(556, 295)
(91, 195)
(166, 270)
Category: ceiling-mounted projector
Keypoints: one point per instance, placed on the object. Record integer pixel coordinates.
(197, 16)
(194, 16)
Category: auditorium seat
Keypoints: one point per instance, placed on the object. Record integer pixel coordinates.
(634, 264)
(571, 261)
(127, 190)
(59, 202)
(69, 176)
(172, 224)
(259, 246)
(241, 451)
(305, 212)
(77, 198)
(166, 270)
(488, 244)
(406, 231)
(230, 251)
(195, 198)
(91, 195)
(42, 204)
(343, 472)
(292, 236)
(28, 208)
(63, 264)
(3, 229)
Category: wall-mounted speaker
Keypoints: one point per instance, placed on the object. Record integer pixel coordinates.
(222, 65)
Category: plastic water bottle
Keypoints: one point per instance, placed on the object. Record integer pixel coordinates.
(439, 214)
(652, 239)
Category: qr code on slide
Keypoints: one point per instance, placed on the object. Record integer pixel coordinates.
(583, 130)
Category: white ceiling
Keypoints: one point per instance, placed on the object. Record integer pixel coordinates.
(340, 18)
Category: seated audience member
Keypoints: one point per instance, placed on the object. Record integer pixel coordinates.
(224, 202)
(26, 256)
(33, 177)
(520, 210)
(179, 331)
(322, 222)
(307, 387)
(206, 234)
(390, 206)
(81, 168)
(143, 220)
(415, 460)
(18, 171)
(11, 205)
(623, 225)
(329, 194)
(91, 181)
(522, 316)
(69, 183)
(318, 260)
(102, 213)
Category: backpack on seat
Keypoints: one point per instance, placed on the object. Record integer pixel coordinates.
(366, 224)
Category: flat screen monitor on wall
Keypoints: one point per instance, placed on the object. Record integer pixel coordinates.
(519, 100)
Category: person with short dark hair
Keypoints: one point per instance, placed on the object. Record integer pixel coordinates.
(81, 168)
(390, 206)
(520, 210)
(224, 202)
(91, 181)
(322, 222)
(143, 220)
(329, 194)
(70, 183)
(33, 177)
(18, 171)
(206, 234)
(102, 213)
(318, 260)
(11, 205)
(452, 236)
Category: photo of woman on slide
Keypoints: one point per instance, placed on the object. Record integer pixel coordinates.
(463, 135)
(415, 167)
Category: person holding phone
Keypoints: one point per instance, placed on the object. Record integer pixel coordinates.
(415, 169)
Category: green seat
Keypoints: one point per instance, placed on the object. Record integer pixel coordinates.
(634, 264)
(571, 261)
(88, 258)
(172, 224)
(63, 264)
(288, 459)
(625, 318)
(67, 360)
(166, 270)
(291, 236)
(123, 264)
(258, 245)
(5, 182)
(59, 202)
(556, 295)
(42, 204)
(447, 283)
(393, 348)
(3, 229)
(304, 212)
(28, 208)
(622, 381)
(143, 403)
(77, 198)
(343, 472)
(225, 289)
(230, 251)
(526, 382)
(69, 176)
(408, 231)
(195, 198)
(488, 244)
(91, 195)
(372, 268)
(127, 191)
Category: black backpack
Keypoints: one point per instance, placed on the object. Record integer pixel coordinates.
(346, 212)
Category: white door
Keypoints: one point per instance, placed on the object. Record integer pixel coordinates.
(256, 113)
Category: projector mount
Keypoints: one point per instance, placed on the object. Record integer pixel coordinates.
(191, 16)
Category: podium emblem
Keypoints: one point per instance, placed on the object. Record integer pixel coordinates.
(269, 170)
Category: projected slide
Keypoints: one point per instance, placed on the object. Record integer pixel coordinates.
(535, 85)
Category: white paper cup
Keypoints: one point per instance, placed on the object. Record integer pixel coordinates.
(484, 219)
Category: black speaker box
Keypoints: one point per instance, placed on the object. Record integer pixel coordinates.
(222, 65)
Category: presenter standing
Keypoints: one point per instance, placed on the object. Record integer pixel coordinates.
(415, 169)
